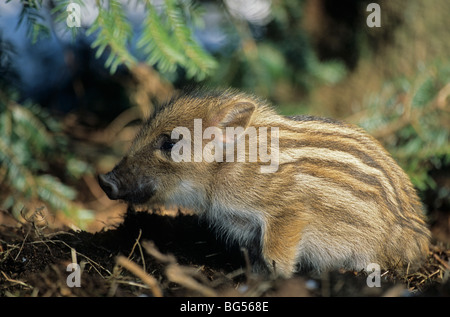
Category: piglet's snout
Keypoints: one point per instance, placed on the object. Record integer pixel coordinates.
(109, 185)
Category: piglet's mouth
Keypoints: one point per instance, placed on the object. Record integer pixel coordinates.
(113, 189)
(137, 197)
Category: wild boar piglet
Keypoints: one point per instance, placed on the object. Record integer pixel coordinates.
(299, 193)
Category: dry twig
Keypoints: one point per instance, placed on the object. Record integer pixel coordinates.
(179, 274)
(140, 273)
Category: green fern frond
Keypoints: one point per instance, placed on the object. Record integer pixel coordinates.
(15, 174)
(115, 32)
(157, 44)
(56, 194)
(28, 125)
(166, 41)
(27, 147)
(198, 63)
(193, 12)
(170, 43)
(35, 22)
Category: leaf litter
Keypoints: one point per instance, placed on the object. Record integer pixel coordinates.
(158, 255)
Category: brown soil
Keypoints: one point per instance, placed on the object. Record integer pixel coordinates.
(183, 259)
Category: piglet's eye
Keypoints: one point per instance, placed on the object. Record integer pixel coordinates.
(165, 143)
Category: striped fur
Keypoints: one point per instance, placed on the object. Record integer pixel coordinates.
(338, 199)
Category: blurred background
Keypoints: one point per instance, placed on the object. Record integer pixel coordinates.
(71, 98)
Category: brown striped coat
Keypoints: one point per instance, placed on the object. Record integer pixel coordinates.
(336, 200)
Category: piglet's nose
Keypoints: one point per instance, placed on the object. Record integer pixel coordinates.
(109, 186)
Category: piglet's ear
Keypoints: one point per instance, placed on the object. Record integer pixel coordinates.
(235, 115)
(233, 120)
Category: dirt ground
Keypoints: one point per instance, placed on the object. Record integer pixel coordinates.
(155, 254)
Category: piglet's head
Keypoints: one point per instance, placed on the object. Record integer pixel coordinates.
(149, 175)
